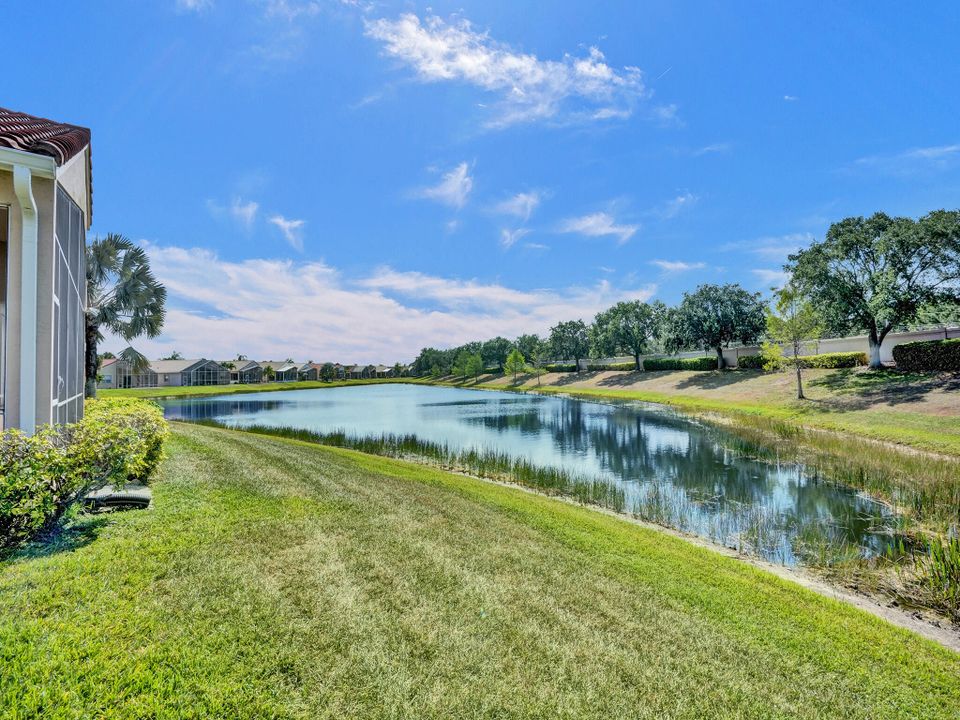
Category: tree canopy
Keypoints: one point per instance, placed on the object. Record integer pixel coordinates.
(570, 341)
(713, 316)
(495, 351)
(872, 274)
(792, 322)
(628, 327)
(516, 363)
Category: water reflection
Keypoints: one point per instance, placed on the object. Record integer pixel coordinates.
(673, 470)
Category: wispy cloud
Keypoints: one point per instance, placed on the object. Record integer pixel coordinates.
(773, 247)
(771, 278)
(193, 5)
(520, 205)
(599, 224)
(527, 88)
(453, 189)
(790, 98)
(509, 237)
(308, 309)
(712, 149)
(677, 266)
(291, 230)
(244, 213)
(675, 206)
(910, 162)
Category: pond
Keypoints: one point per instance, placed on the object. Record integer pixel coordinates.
(673, 470)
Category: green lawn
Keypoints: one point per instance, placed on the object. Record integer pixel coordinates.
(275, 579)
(195, 390)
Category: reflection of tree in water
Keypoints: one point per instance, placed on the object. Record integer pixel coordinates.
(209, 409)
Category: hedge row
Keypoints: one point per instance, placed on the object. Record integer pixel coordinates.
(560, 367)
(614, 366)
(698, 363)
(117, 441)
(928, 355)
(829, 361)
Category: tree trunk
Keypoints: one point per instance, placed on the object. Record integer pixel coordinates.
(800, 395)
(875, 342)
(90, 362)
(636, 359)
(720, 363)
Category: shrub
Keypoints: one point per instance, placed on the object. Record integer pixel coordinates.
(769, 360)
(699, 363)
(929, 355)
(117, 440)
(832, 361)
(614, 366)
(750, 362)
(560, 367)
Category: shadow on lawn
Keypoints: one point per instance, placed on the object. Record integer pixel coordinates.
(66, 536)
(715, 379)
(865, 388)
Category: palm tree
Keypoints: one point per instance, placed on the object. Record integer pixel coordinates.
(123, 298)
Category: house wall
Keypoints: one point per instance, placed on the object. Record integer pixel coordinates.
(43, 193)
(73, 178)
(174, 379)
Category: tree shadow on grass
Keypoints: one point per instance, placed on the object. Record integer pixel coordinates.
(715, 379)
(67, 535)
(570, 378)
(625, 378)
(862, 388)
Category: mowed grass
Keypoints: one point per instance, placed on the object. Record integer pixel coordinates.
(276, 579)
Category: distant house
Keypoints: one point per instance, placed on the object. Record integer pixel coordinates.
(245, 372)
(383, 371)
(339, 371)
(177, 373)
(310, 371)
(360, 372)
(116, 373)
(283, 371)
(46, 204)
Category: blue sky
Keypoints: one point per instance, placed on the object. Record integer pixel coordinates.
(353, 181)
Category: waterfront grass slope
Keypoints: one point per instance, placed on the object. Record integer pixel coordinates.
(275, 578)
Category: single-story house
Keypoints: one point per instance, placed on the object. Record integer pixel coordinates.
(178, 373)
(384, 371)
(310, 371)
(244, 372)
(283, 371)
(339, 371)
(360, 372)
(46, 205)
(118, 373)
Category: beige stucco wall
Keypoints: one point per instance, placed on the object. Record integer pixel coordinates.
(43, 193)
(73, 178)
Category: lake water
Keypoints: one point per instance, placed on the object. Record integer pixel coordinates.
(673, 470)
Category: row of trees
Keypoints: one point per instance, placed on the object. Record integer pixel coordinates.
(867, 275)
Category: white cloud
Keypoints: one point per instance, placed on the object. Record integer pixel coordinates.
(520, 205)
(243, 213)
(598, 225)
(771, 278)
(528, 88)
(509, 237)
(290, 10)
(291, 230)
(453, 189)
(711, 149)
(307, 309)
(912, 161)
(676, 266)
(673, 207)
(790, 98)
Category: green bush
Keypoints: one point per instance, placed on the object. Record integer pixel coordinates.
(560, 367)
(699, 363)
(614, 366)
(118, 440)
(824, 361)
(750, 362)
(929, 355)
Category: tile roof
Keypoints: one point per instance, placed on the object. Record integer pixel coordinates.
(41, 136)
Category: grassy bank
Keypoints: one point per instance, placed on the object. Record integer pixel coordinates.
(279, 579)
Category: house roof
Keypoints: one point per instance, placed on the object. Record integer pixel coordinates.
(107, 361)
(173, 366)
(41, 136)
